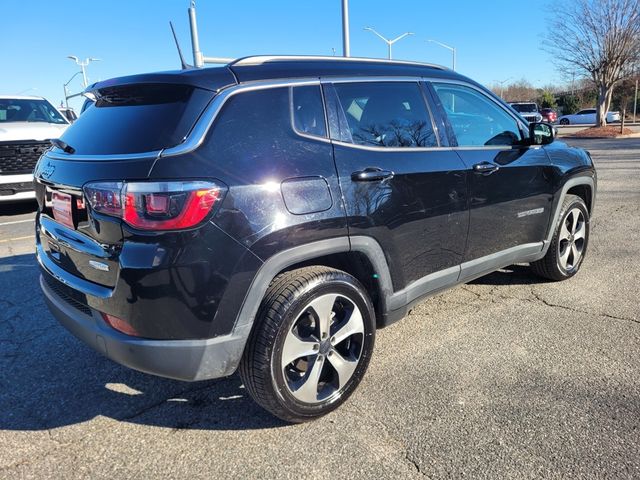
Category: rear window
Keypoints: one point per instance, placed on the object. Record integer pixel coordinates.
(137, 118)
(524, 107)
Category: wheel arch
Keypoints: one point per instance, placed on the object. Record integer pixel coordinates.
(584, 191)
(582, 186)
(361, 257)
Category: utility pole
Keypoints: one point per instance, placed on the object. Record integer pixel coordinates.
(635, 101)
(198, 58)
(501, 83)
(83, 65)
(198, 61)
(453, 51)
(346, 47)
(387, 41)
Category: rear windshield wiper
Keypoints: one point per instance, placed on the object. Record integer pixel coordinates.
(66, 148)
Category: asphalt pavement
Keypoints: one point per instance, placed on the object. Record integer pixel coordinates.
(507, 377)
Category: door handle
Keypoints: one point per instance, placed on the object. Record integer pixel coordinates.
(371, 174)
(485, 168)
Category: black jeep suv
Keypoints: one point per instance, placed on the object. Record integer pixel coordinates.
(270, 214)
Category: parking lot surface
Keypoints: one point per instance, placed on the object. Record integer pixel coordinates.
(507, 377)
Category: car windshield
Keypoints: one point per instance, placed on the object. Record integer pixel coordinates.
(524, 107)
(28, 110)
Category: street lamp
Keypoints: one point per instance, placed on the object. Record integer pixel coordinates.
(443, 45)
(386, 40)
(501, 83)
(83, 65)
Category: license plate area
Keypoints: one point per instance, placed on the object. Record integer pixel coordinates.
(62, 208)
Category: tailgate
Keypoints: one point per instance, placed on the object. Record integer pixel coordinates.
(87, 245)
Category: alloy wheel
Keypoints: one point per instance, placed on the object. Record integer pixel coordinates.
(322, 348)
(572, 239)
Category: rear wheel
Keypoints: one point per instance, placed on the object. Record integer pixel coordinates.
(569, 243)
(311, 345)
(564, 121)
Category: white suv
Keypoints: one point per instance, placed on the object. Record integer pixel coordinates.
(26, 126)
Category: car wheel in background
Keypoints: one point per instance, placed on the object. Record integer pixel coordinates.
(564, 121)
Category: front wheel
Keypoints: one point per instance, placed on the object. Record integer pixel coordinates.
(564, 121)
(569, 243)
(311, 344)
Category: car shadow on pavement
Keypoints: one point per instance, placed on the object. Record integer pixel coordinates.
(50, 379)
(511, 275)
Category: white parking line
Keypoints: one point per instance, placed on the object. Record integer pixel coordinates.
(17, 221)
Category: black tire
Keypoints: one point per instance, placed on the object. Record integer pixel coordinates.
(551, 265)
(287, 307)
(564, 121)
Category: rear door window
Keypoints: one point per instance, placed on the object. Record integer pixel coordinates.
(386, 114)
(137, 118)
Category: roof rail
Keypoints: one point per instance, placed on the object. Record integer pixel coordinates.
(261, 59)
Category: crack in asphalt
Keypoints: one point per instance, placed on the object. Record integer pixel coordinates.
(415, 464)
(539, 298)
(391, 440)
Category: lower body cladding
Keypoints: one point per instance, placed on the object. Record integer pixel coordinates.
(187, 360)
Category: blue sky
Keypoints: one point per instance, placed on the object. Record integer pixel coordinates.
(496, 39)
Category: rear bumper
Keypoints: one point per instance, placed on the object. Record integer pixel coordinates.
(187, 360)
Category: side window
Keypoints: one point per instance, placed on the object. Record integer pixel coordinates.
(386, 114)
(477, 120)
(307, 110)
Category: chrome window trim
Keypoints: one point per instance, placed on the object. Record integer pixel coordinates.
(198, 133)
(204, 123)
(105, 157)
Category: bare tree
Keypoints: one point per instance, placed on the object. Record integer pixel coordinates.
(599, 39)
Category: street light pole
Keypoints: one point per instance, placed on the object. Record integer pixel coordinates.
(453, 51)
(501, 83)
(66, 92)
(83, 65)
(346, 46)
(387, 41)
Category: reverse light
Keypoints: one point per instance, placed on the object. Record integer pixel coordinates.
(170, 205)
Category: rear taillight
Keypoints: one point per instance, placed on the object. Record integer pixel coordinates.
(155, 205)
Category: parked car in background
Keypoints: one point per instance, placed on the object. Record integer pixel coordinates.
(529, 110)
(26, 126)
(587, 117)
(549, 115)
(268, 215)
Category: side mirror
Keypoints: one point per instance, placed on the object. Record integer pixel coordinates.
(541, 133)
